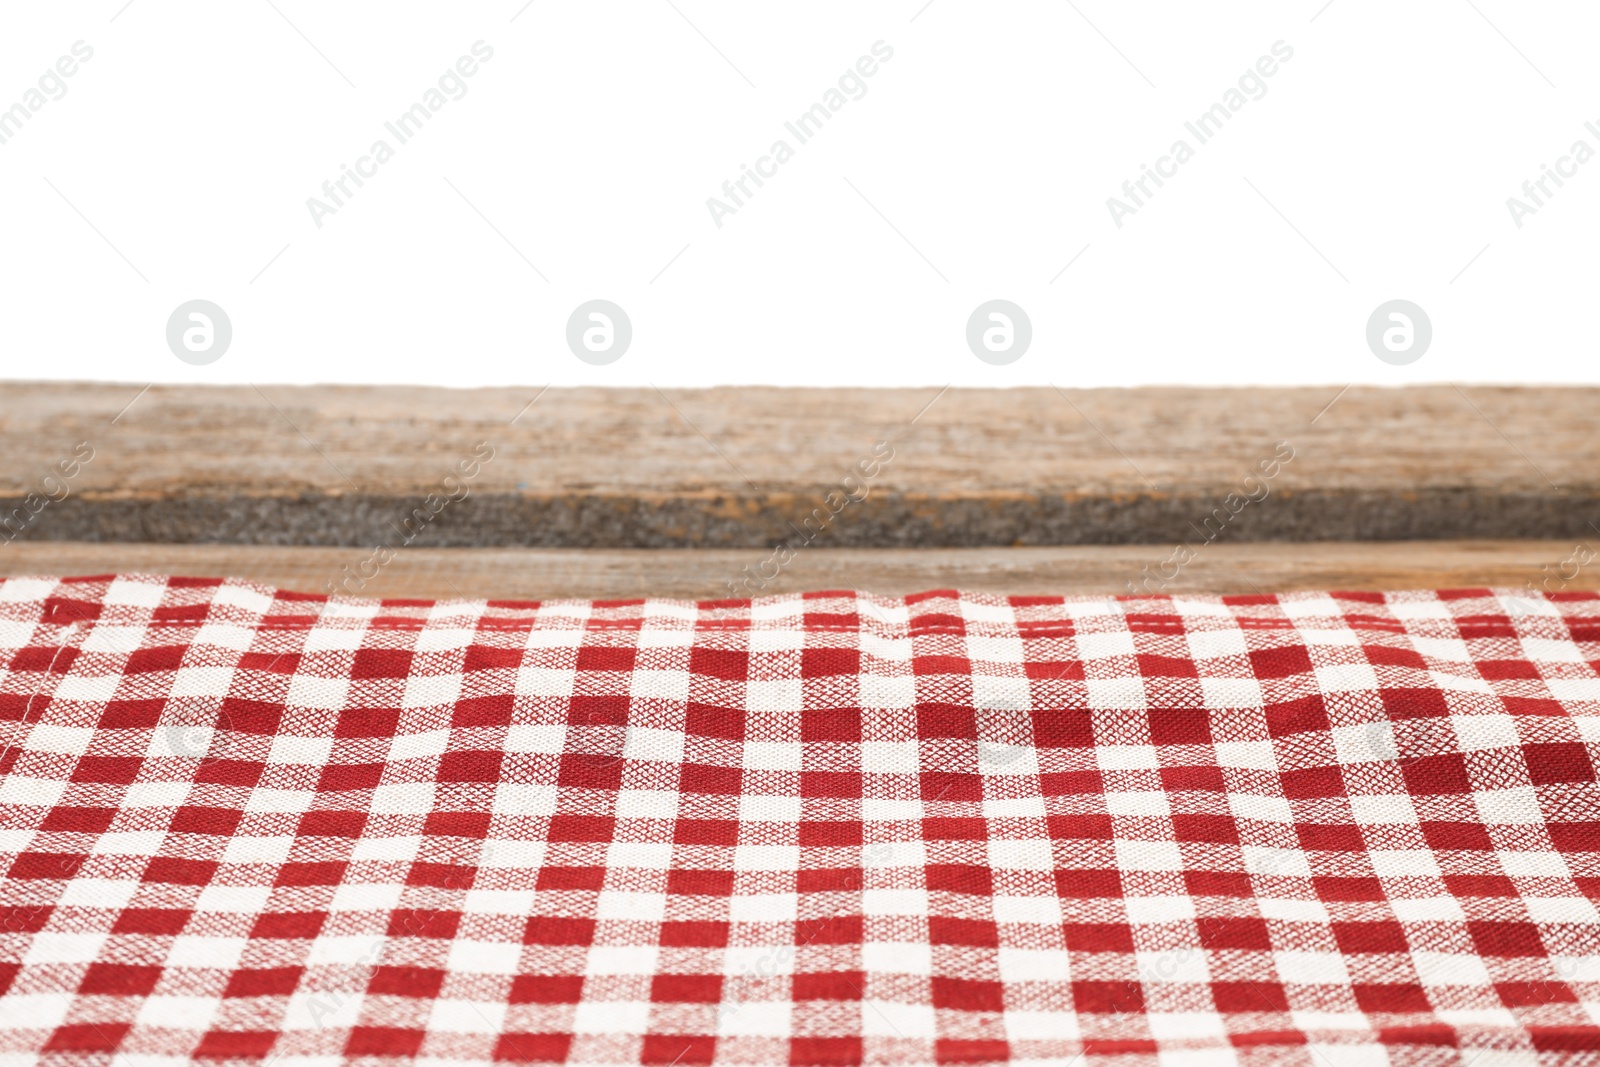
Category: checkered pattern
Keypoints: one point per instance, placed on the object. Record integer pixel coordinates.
(1321, 829)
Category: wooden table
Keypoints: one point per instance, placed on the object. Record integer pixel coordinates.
(530, 493)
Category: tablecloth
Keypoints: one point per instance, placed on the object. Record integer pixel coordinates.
(1326, 829)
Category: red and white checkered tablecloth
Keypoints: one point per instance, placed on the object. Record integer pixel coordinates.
(1326, 829)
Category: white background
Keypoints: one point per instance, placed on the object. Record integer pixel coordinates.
(990, 141)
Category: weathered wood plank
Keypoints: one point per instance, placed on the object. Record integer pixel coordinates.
(748, 467)
(534, 574)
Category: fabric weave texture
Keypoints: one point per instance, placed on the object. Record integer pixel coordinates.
(1324, 829)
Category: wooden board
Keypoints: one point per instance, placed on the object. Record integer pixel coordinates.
(534, 574)
(752, 467)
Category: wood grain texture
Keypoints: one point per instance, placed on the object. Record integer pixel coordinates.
(746, 467)
(535, 574)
